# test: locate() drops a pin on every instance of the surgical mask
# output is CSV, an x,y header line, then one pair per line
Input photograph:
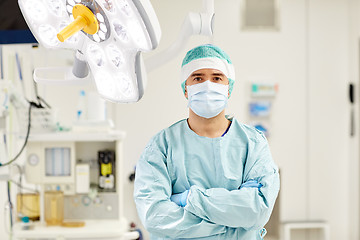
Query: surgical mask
x,y
208,99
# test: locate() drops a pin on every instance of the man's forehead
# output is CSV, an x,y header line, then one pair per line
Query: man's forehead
x,y
207,71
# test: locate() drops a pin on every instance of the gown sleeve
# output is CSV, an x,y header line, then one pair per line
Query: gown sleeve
x,y
152,192
248,208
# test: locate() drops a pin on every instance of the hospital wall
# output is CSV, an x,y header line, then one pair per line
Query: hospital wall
x,y
354,54
312,57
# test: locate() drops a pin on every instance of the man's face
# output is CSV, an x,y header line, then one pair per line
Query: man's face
x,y
205,74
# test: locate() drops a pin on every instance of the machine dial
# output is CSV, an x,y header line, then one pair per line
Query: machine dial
x,y
33,159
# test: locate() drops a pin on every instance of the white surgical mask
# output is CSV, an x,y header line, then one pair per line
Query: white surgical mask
x,y
208,99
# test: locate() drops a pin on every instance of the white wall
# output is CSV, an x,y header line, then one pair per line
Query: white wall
x,y
329,114
354,167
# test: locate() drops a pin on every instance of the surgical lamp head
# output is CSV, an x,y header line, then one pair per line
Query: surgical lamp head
x,y
108,36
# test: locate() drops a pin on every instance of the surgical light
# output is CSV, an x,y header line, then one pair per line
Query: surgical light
x,y
125,8
56,7
97,54
48,35
120,31
108,35
115,55
36,10
109,5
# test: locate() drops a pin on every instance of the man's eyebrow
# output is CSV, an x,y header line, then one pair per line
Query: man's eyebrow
x,y
197,74
201,74
218,74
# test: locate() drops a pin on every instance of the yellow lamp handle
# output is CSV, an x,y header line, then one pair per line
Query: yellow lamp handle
x,y
74,27
84,20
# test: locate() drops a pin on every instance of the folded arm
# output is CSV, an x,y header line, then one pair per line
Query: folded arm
x,y
247,207
157,212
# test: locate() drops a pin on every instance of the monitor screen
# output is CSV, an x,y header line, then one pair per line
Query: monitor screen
x,y
57,162
13,28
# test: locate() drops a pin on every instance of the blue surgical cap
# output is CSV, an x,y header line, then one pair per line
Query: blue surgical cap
x,y
207,56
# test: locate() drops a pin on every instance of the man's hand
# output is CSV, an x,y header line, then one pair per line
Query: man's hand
x,y
251,184
180,198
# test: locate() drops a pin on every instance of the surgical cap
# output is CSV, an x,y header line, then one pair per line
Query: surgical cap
x,y
207,56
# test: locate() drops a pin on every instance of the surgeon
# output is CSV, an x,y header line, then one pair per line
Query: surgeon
x,y
207,176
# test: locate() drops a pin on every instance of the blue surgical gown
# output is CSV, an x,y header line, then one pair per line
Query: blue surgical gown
x,y
213,169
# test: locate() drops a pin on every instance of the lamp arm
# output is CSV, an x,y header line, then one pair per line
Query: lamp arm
x,y
194,24
208,6
80,68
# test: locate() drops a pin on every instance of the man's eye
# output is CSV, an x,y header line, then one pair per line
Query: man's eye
x,y
217,78
197,79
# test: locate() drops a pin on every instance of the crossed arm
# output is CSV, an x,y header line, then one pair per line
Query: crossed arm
x,y
208,211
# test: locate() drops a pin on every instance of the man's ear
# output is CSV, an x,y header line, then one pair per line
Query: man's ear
x,y
186,94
